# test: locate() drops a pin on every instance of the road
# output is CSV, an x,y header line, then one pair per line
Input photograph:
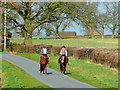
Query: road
x,y
53,78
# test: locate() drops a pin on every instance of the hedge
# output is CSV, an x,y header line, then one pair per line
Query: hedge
x,y
1,47
21,48
107,57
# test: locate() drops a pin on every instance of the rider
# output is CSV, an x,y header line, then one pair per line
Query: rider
x,y
44,51
63,52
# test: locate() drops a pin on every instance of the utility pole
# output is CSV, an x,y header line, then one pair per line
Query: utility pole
x,y
5,26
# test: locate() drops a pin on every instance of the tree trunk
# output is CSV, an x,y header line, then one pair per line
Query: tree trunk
x,y
38,34
112,33
28,32
113,30
103,33
57,33
102,36
28,39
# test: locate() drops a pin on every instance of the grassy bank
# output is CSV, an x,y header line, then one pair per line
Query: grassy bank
x,y
14,77
84,71
82,43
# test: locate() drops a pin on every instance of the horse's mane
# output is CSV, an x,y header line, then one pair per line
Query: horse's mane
x,y
44,56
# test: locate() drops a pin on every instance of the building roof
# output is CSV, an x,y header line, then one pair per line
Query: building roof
x,y
118,31
69,33
95,33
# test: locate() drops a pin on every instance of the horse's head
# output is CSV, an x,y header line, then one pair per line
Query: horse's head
x,y
44,56
44,59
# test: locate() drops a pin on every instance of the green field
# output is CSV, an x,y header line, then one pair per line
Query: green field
x,y
84,71
82,43
14,77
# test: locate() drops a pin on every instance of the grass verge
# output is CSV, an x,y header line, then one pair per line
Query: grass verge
x,y
14,77
84,71
0,67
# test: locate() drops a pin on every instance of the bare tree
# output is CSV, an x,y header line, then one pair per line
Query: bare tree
x,y
29,15
103,20
112,9
84,14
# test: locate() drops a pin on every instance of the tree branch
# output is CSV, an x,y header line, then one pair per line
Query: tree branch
x,y
45,9
14,27
17,9
10,18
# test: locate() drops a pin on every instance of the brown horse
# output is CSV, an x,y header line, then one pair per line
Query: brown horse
x,y
43,64
63,62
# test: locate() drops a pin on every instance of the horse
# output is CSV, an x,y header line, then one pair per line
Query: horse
x,y
63,62
43,64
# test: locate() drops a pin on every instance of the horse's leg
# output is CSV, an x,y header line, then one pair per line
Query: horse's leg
x,y
64,68
46,69
41,68
61,68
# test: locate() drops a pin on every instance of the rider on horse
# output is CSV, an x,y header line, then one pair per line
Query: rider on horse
x,y
44,51
63,52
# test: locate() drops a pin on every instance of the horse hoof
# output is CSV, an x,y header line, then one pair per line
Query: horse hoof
x,y
61,72
40,72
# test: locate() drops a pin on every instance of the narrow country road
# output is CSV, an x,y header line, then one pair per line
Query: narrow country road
x,y
53,79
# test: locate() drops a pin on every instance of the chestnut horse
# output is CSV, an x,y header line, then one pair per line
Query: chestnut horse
x,y
63,62
43,64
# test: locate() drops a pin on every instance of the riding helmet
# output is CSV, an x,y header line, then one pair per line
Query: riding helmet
x,y
63,46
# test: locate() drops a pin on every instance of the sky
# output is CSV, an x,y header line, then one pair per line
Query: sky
x,y
78,29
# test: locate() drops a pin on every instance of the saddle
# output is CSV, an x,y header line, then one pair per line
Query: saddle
x,y
63,59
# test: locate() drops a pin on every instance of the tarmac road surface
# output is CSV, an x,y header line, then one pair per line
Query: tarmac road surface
x,y
53,78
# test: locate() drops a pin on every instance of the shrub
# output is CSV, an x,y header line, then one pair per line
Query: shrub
x,y
55,50
83,53
71,51
21,48
1,47
107,57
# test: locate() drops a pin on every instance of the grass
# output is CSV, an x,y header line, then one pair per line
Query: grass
x,y
14,77
78,42
0,71
84,71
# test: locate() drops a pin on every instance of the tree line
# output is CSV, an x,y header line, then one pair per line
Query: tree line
x,y
54,17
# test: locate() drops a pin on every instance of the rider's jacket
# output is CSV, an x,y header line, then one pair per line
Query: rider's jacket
x,y
63,51
44,51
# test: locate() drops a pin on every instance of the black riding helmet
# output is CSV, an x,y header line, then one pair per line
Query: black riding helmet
x,y
63,46
44,47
